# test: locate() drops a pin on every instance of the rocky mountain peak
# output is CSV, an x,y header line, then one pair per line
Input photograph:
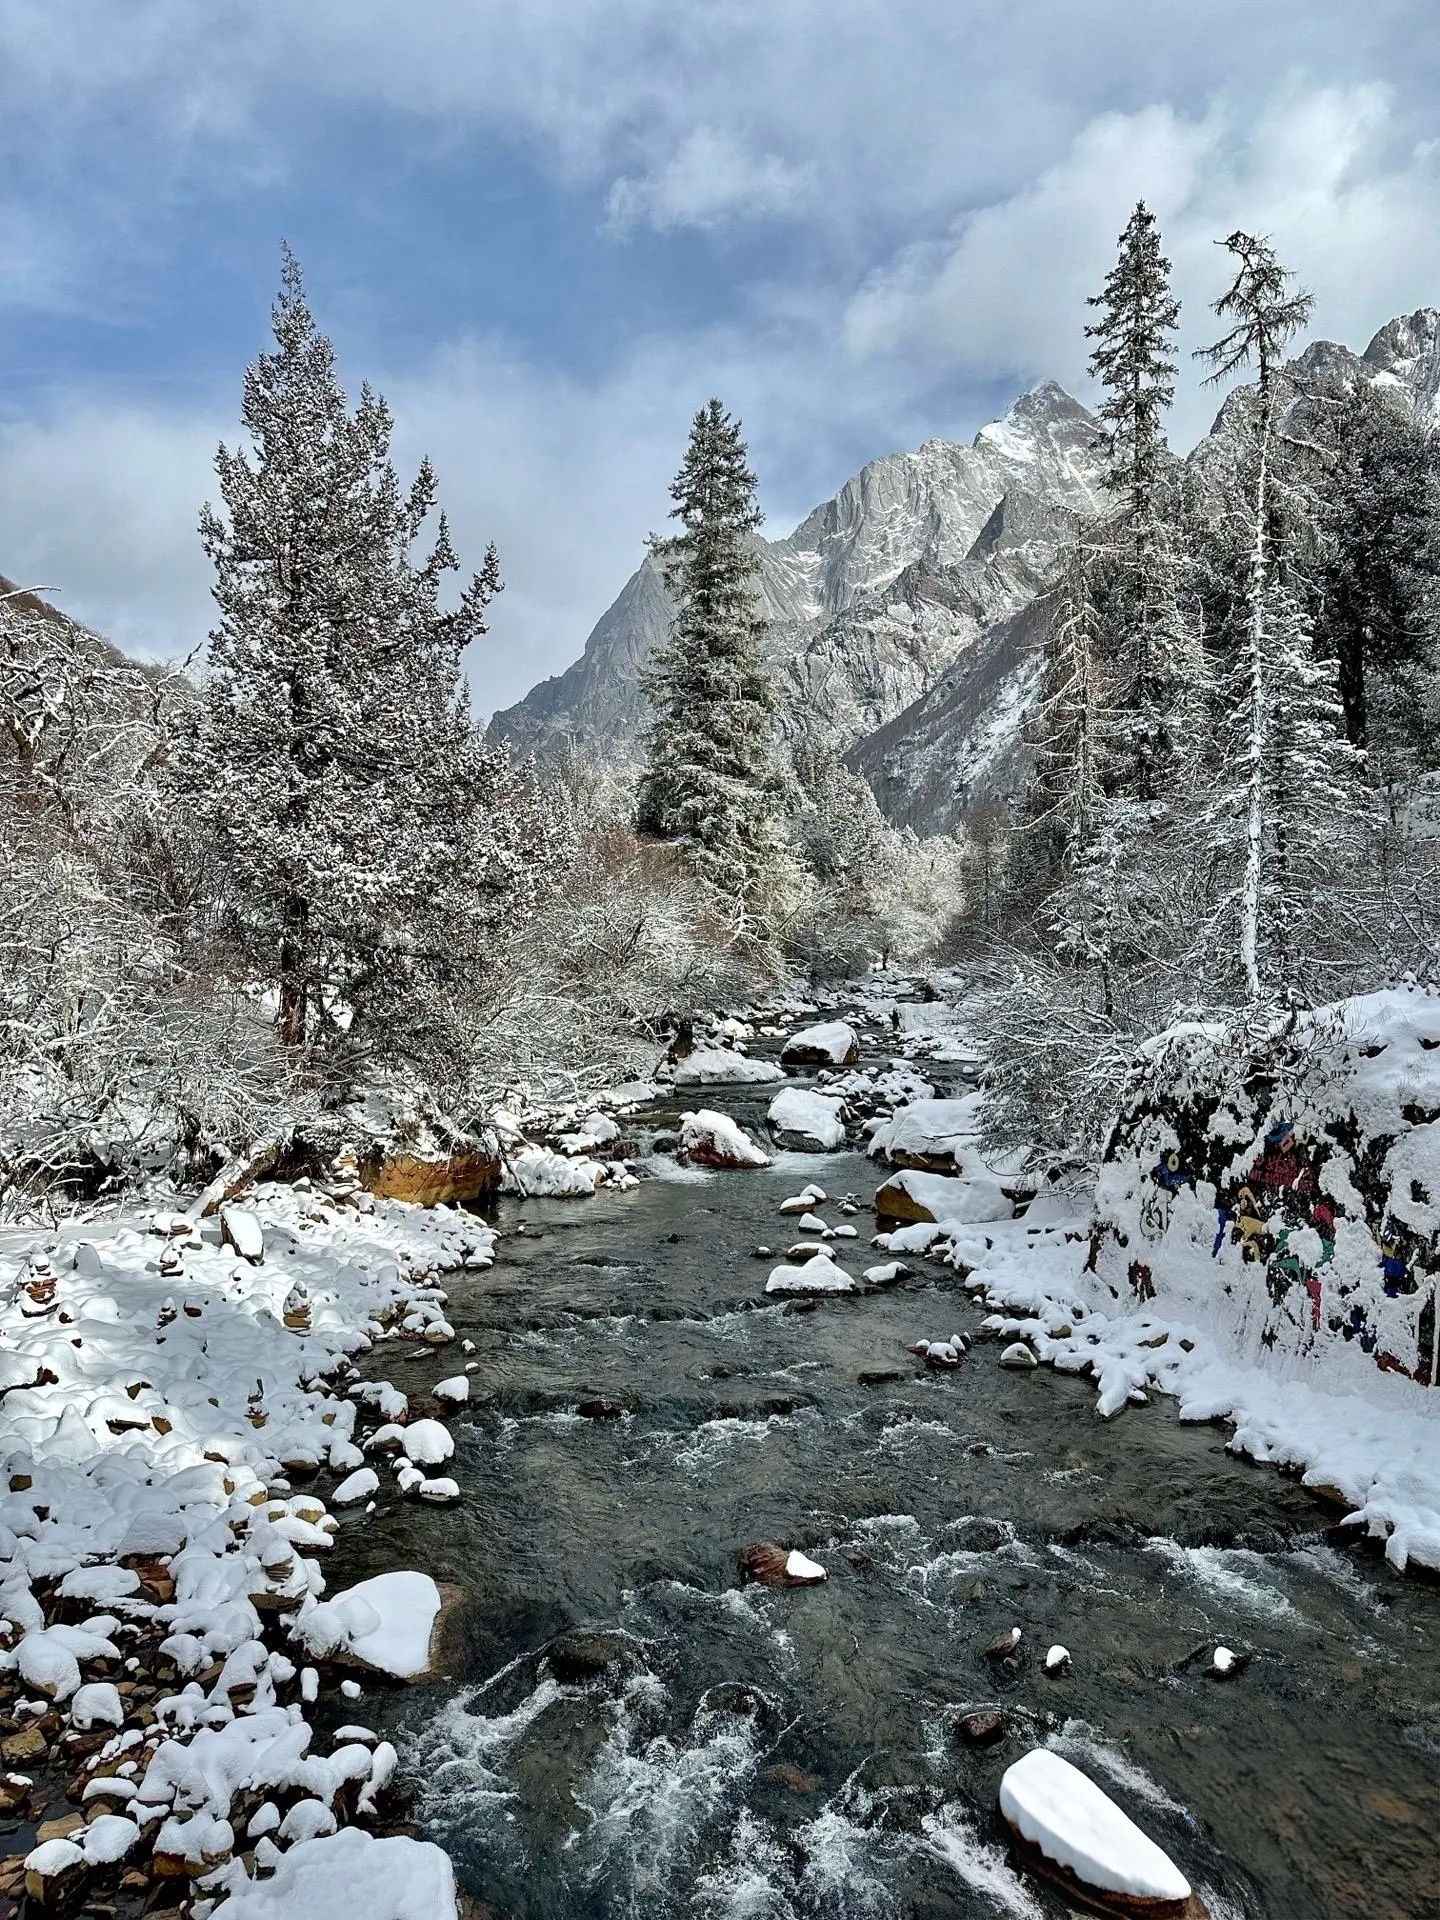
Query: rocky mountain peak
x,y
1406,351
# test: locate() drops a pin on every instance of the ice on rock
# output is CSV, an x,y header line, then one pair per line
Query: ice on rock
x,y
1062,1812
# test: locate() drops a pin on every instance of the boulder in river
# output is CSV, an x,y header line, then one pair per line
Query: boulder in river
x,y
804,1122
982,1728
711,1139
833,1043
776,1566
1072,1834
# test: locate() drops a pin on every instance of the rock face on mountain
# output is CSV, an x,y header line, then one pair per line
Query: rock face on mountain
x,y
905,625
872,597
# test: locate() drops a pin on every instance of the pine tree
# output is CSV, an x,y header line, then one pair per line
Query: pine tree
x,y
1379,580
1266,314
710,782
1299,804
1153,653
359,824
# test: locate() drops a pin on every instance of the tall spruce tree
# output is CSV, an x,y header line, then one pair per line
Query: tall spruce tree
x,y
361,829
1153,658
710,782
1297,786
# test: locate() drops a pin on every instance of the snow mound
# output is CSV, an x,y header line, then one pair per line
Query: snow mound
x,y
834,1043
1062,1812
820,1275
352,1876
536,1173
712,1139
721,1067
926,1130
386,1622
942,1198
811,1118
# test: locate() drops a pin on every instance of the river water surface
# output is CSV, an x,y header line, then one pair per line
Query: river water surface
x,y
627,1731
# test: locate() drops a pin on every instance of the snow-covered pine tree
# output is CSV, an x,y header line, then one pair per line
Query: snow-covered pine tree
x,y
1279,823
1379,578
1154,658
359,824
710,782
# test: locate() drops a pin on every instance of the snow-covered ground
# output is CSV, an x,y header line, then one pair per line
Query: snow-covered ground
x,y
165,1386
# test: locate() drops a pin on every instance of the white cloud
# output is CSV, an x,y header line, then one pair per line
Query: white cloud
x,y
1349,205
98,505
710,180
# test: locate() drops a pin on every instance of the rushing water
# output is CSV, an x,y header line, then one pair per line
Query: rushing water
x,y
629,1732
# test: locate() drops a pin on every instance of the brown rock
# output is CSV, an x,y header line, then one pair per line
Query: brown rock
x,y
28,1744
60,1829
461,1176
982,1728
765,1562
786,1775
598,1409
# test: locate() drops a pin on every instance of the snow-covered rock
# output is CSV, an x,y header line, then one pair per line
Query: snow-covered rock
x,y
942,1135
386,1623
820,1275
833,1043
809,1122
711,1139
244,1233
536,1173
1080,1831
940,1198
351,1875
722,1067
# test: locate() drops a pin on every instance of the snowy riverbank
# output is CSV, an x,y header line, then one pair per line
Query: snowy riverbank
x,y
169,1391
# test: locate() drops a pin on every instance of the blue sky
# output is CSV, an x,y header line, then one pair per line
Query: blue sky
x,y
549,232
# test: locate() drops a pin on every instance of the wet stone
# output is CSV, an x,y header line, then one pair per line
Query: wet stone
x,y
982,1728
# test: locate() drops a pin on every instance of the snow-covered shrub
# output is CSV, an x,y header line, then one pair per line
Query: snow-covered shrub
x,y
1286,1179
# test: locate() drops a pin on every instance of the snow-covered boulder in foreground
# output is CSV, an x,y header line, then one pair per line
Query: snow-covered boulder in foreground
x,y
941,1198
712,1139
721,1067
941,1135
386,1623
1083,1839
834,1043
353,1876
806,1122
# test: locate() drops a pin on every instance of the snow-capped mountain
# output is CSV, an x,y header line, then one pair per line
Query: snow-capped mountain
x,y
874,594
904,624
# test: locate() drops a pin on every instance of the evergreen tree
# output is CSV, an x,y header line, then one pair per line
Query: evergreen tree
x,y
1265,313
1297,805
710,781
364,835
1154,657
1379,578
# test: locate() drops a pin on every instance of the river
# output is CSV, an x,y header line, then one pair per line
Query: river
x,y
627,1731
